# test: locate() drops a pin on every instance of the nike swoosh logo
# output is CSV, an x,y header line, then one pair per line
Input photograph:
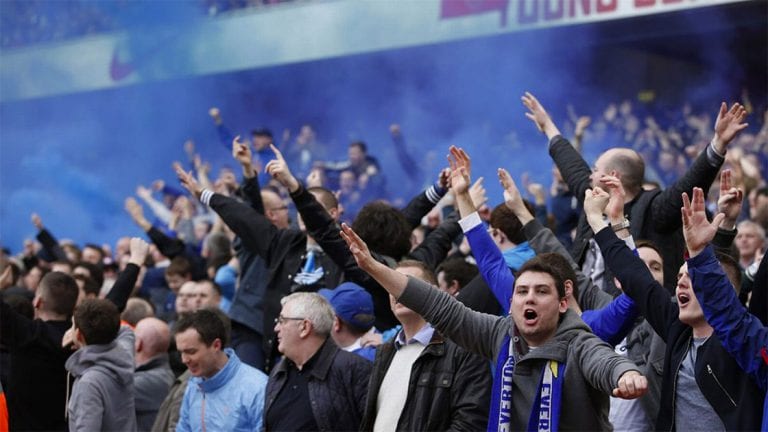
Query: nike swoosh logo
x,y
119,70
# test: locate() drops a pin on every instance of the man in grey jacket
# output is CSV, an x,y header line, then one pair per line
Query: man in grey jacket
x,y
530,348
153,377
102,395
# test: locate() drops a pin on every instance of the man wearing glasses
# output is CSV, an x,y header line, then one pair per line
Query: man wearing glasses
x,y
316,386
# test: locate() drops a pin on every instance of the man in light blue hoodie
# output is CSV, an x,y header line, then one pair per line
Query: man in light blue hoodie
x,y
223,393
102,394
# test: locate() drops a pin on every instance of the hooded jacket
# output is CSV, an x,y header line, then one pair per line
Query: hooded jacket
x,y
231,400
592,367
101,396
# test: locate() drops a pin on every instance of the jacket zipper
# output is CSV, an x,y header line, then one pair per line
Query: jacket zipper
x,y
674,385
202,414
709,369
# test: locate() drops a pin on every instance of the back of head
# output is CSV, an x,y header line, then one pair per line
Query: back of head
x,y
208,323
136,309
504,220
313,307
731,268
154,334
352,304
457,269
59,293
384,228
98,321
218,248
630,165
325,197
546,263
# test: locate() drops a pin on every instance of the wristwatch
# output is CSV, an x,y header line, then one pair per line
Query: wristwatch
x,y
621,225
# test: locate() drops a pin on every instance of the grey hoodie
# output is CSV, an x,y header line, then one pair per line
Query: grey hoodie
x,y
592,367
102,395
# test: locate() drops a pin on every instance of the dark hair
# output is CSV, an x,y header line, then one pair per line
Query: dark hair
x,y
179,266
59,292
97,248
457,269
632,169
325,197
427,274
209,325
98,320
384,228
219,250
262,131
363,147
731,268
15,272
89,285
545,263
20,304
643,243
96,273
763,191
563,266
504,220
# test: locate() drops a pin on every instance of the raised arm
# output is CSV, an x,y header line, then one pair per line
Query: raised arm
x,y
407,163
426,200
665,207
741,333
255,230
49,242
126,281
467,328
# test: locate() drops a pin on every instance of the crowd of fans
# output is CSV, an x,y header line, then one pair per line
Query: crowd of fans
x,y
292,295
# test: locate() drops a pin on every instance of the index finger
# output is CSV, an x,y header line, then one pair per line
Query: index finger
x,y
277,152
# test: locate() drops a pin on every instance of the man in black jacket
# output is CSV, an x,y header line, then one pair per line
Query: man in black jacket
x,y
423,381
703,388
316,386
654,215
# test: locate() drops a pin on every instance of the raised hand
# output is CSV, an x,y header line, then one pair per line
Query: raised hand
x,y
581,125
631,385
358,248
512,197
478,194
730,200
136,212
36,221
144,193
444,178
697,230
394,129
139,251
728,124
539,116
595,202
461,170
315,178
278,169
241,151
615,207
215,114
188,181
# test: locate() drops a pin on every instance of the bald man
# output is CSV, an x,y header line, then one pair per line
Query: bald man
x,y
153,377
650,215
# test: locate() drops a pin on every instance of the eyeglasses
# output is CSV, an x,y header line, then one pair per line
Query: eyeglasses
x,y
282,319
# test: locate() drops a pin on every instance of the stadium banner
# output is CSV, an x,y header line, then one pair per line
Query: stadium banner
x,y
288,33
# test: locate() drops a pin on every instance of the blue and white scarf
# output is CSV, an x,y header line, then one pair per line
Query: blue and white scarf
x,y
545,412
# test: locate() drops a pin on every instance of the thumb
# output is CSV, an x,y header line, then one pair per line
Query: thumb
x,y
718,219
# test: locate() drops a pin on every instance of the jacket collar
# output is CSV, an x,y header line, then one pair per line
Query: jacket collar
x,y
222,377
154,362
321,365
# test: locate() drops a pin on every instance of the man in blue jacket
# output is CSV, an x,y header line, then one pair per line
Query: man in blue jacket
x,y
223,393
742,335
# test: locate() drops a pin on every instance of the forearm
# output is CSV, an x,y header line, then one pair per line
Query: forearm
x,y
490,260
613,322
465,204
124,285
159,209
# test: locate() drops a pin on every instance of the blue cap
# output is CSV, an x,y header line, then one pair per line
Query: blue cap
x,y
352,304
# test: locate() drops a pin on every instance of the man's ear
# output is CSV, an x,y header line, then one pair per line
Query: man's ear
x,y
563,306
568,289
336,324
37,302
453,288
306,329
217,344
334,212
